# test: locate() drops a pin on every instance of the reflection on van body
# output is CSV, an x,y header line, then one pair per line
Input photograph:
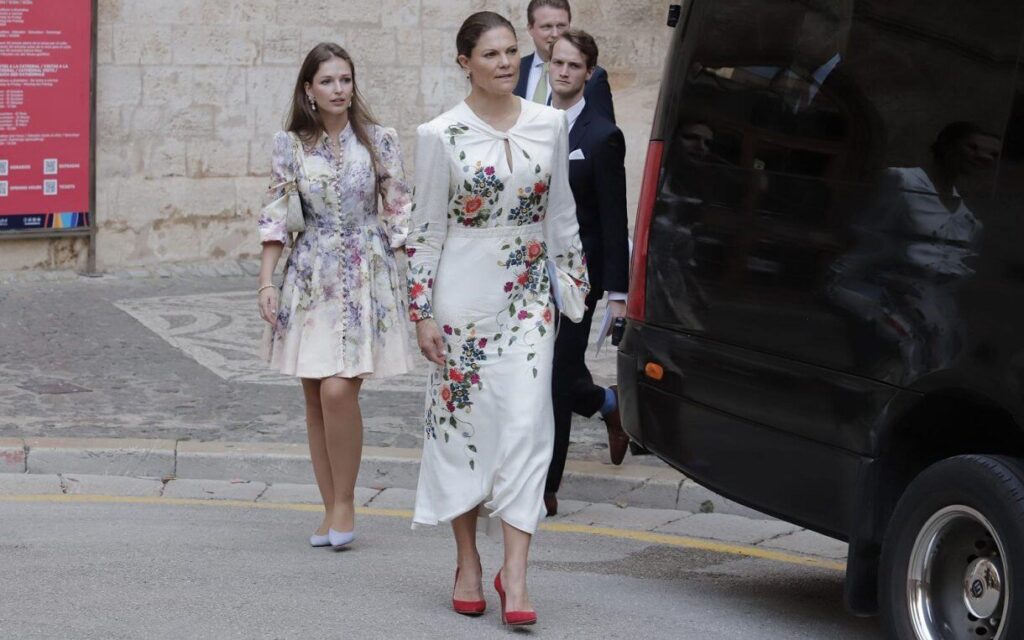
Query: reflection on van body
x,y
832,277
821,223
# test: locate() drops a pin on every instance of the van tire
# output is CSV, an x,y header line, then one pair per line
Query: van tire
x,y
961,523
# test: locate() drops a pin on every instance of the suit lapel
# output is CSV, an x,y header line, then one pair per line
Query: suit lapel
x,y
524,75
579,129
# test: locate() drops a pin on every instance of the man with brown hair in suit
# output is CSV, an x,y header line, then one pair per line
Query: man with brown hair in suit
x,y
597,176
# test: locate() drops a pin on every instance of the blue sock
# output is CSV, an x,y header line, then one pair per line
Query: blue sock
x,y
610,404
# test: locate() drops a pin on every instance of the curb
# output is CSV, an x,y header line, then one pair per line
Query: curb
x,y
199,269
382,468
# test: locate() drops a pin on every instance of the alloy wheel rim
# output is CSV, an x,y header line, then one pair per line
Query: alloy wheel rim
x,y
957,585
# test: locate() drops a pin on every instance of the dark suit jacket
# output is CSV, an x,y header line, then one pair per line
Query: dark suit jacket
x,y
597,92
598,184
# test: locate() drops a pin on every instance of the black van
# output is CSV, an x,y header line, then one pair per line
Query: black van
x,y
826,314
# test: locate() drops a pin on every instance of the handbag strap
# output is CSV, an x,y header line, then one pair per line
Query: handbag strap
x,y
300,155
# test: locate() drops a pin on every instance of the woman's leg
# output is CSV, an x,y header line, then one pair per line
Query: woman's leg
x,y
513,572
343,430
318,449
467,557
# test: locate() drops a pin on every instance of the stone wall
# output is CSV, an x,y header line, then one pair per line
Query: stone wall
x,y
190,93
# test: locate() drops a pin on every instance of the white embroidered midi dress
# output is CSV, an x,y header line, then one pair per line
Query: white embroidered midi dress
x,y
485,235
342,310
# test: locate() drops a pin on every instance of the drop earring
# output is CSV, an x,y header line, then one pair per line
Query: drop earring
x,y
312,102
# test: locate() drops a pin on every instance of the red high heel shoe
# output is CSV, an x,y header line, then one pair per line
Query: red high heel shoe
x,y
467,607
512,618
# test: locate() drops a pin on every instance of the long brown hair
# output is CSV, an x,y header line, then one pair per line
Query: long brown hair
x,y
307,123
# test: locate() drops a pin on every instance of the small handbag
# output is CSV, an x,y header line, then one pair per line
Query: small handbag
x,y
570,297
289,204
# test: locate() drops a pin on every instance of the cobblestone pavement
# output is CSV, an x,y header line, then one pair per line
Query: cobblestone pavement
x,y
178,357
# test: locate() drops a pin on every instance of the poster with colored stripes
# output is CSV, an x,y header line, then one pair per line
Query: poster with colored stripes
x,y
45,114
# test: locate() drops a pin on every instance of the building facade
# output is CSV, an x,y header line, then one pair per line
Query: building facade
x,y
190,93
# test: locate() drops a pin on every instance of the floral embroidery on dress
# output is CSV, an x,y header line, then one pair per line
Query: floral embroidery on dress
x,y
458,377
530,208
454,131
532,202
420,282
525,290
473,206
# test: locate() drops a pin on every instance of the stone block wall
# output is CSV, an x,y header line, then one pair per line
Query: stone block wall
x,y
190,93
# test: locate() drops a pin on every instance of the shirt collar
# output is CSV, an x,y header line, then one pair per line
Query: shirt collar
x,y
537,62
572,114
345,134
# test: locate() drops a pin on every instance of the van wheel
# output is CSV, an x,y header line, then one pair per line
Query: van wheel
x,y
952,553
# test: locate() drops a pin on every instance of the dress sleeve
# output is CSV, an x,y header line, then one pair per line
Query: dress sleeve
x,y
271,222
395,195
429,220
562,233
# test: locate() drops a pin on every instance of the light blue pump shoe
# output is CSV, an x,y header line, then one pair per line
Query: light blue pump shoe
x,y
339,539
319,541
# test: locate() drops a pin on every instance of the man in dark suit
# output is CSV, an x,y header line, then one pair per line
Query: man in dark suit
x,y
546,21
597,175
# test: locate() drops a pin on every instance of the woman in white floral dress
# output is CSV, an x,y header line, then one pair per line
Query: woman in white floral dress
x,y
341,316
493,214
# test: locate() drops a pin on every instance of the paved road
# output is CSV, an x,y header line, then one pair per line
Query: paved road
x,y
92,567
178,358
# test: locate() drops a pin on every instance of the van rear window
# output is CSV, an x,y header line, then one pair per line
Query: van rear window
x,y
783,122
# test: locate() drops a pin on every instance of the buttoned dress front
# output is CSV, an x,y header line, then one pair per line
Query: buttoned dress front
x,y
342,310
489,231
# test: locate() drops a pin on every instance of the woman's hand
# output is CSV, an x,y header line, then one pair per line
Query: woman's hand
x,y
268,305
430,340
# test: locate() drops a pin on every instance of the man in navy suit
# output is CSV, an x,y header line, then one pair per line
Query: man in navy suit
x,y
546,21
597,176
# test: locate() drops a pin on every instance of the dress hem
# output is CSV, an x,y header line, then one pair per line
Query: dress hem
x,y
362,374
487,520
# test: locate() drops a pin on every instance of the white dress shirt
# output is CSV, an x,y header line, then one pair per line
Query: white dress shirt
x,y
572,114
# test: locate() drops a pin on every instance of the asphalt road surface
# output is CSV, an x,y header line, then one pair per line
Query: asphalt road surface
x,y
108,568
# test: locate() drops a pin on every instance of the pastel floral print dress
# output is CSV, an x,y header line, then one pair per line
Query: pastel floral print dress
x,y
493,213
343,309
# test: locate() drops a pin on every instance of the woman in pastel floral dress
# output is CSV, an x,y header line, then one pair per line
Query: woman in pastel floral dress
x,y
341,316
493,213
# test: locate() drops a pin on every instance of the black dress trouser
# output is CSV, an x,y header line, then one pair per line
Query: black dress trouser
x,y
572,387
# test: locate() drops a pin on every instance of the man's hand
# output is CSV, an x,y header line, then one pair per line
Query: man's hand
x,y
617,308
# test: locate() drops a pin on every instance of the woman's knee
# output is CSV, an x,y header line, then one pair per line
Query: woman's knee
x,y
338,392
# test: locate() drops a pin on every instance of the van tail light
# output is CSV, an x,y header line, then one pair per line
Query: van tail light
x,y
637,302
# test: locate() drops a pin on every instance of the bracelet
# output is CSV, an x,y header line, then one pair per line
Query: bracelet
x,y
266,286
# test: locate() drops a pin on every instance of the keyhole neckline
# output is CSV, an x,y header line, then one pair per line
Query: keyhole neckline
x,y
499,132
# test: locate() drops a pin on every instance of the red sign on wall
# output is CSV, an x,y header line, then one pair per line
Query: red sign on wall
x,y
45,113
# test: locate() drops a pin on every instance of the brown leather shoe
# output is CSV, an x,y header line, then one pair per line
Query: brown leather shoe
x,y
618,439
551,504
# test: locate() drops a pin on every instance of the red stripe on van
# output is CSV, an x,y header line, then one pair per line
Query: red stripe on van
x,y
637,302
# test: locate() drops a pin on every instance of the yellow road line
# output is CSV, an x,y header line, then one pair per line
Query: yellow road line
x,y
555,527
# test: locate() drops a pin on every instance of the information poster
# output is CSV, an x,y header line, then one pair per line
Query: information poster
x,y
45,114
